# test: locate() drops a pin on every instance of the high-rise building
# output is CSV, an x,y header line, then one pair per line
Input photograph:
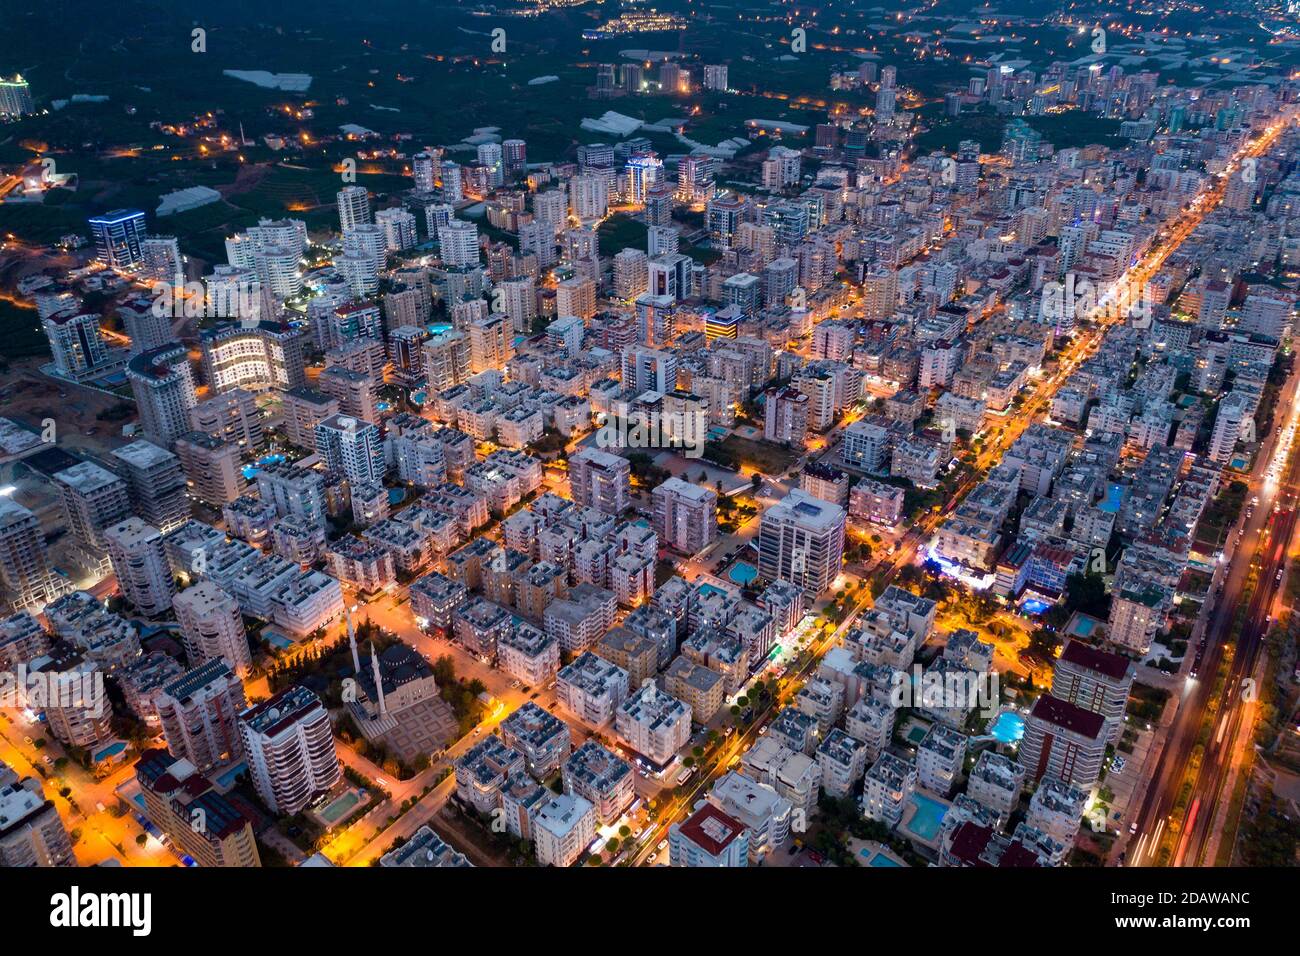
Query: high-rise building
x,y
649,370
1095,680
272,250
212,626
458,244
446,360
163,386
200,714
685,515
354,208
198,819
118,236
785,416
449,180
398,227
24,564
289,748
695,176
15,98
351,446
708,837
156,483
140,563
294,491
491,342
423,171
211,468
232,417
562,829
715,77
1233,412
801,540
1063,740
162,259
93,499
31,831
77,344
490,157
600,480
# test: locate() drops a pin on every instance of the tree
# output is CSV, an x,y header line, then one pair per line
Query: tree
x,y
1087,593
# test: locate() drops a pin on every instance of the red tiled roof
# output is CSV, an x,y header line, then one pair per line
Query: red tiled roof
x,y
694,829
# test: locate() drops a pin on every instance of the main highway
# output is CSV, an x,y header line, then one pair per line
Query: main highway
x,y
1184,824
1263,536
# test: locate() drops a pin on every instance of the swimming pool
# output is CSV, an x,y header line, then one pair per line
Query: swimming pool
x,y
279,640
250,471
228,778
396,496
742,573
1008,727
1034,606
1084,627
927,817
336,809
112,750
877,858
707,588
1113,500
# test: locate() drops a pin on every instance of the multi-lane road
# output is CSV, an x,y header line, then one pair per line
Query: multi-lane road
x,y
1193,748
1264,536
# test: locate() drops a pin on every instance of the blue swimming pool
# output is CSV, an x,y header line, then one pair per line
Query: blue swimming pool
x,y
742,573
396,496
1008,727
1034,606
1113,500
437,328
228,778
707,588
928,818
877,858
112,750
250,471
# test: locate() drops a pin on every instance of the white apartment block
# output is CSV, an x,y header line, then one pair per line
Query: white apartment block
x,y
289,747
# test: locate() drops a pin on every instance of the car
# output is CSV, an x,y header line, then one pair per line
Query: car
x,y
654,856
1133,827
27,739
662,844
